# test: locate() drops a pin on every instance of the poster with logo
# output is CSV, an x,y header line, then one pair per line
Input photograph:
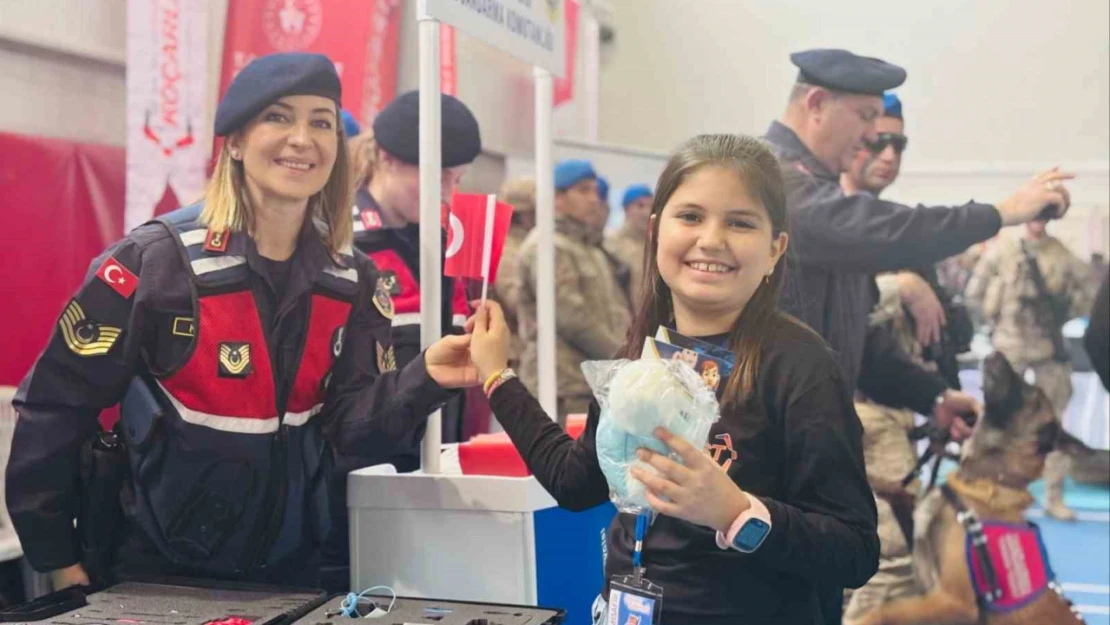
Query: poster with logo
x,y
359,36
167,69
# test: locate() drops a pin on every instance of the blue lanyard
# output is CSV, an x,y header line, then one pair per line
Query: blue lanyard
x,y
643,520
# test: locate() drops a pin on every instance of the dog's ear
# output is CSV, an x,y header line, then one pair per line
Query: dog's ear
x,y
1002,389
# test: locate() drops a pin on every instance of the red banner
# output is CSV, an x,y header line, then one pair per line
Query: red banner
x,y
564,87
448,76
63,205
359,36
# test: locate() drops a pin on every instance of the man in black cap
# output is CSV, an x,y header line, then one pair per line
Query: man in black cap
x,y
839,242
387,229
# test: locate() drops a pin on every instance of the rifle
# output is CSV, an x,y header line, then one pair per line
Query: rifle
x,y
1057,306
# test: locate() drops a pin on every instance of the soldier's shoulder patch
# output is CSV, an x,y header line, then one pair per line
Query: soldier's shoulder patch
x,y
83,335
383,301
387,359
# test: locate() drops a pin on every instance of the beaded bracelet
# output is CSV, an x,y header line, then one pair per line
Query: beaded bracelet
x,y
491,379
504,376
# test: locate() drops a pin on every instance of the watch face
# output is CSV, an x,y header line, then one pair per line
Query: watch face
x,y
751,535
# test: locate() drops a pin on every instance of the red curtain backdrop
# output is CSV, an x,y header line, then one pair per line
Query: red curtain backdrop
x,y
63,202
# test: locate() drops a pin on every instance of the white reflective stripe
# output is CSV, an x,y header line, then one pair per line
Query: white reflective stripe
x,y
297,419
194,237
413,319
238,425
343,274
406,319
208,265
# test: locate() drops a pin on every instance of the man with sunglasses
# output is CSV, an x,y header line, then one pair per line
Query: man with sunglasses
x,y
840,242
923,321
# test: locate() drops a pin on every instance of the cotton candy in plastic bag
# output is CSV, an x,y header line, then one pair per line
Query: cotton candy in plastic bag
x,y
637,396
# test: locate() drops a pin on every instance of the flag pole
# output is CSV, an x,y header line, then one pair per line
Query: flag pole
x,y
487,243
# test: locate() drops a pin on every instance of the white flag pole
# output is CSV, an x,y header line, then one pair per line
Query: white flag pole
x,y
545,252
431,246
487,243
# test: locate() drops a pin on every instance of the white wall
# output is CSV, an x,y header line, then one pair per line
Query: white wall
x,y
996,89
63,68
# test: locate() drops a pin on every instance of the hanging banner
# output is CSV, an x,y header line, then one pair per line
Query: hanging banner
x,y
530,30
167,56
380,72
564,86
340,29
448,75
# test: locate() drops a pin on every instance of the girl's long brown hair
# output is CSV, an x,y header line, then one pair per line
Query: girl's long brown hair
x,y
756,166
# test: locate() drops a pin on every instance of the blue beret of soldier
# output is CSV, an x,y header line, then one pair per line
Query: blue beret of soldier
x,y
267,79
350,124
841,70
635,192
603,188
892,106
570,172
397,130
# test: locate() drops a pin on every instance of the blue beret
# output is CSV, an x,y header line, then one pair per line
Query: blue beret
x,y
892,106
603,189
267,79
350,124
635,192
570,172
843,71
397,130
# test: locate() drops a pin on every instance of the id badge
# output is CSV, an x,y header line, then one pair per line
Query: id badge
x,y
634,601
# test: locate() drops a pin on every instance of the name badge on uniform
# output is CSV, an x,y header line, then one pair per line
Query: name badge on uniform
x,y
634,601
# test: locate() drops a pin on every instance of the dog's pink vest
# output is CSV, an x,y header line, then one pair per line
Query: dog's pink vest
x,y
1020,562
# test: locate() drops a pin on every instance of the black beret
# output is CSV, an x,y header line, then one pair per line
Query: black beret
x,y
843,71
268,78
397,130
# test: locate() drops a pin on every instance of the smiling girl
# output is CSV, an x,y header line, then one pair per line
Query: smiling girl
x,y
793,515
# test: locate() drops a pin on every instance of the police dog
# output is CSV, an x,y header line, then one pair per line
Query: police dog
x,y
1004,455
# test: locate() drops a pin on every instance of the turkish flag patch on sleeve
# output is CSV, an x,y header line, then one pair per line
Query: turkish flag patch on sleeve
x,y
120,278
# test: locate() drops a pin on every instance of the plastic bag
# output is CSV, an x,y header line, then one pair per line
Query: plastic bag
x,y
637,396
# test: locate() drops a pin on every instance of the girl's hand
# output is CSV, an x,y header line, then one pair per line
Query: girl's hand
x,y
699,491
489,343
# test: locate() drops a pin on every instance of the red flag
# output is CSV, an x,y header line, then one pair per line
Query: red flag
x,y
466,234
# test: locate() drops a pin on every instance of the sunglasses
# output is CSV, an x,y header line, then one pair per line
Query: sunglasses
x,y
885,139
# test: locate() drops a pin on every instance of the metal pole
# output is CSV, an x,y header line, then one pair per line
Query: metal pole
x,y
431,250
545,252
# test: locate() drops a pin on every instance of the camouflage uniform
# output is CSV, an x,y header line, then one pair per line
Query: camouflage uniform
x,y
889,456
1004,291
628,247
592,312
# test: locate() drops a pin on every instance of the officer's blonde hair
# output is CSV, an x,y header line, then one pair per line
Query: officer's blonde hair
x,y
364,158
227,204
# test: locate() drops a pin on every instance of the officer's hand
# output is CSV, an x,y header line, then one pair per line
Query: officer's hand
x,y
950,411
489,347
924,306
1031,198
448,362
70,576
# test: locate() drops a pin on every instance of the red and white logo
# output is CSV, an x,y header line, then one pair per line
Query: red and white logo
x,y
371,220
115,275
292,24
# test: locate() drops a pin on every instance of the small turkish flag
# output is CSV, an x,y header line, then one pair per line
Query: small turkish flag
x,y
477,227
115,275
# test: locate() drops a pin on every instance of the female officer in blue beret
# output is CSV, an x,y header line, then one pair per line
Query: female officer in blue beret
x,y
386,173
239,334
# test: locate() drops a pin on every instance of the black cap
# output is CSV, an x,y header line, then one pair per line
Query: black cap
x,y
397,130
268,78
843,71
